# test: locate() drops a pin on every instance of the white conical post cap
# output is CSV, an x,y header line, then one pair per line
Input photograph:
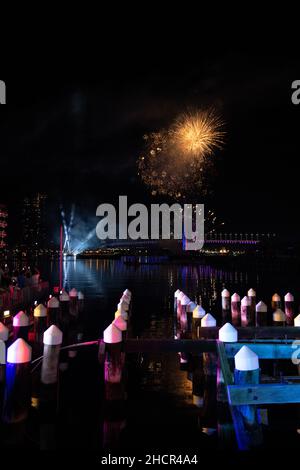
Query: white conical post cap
x,y
225,293
112,334
208,320
2,352
21,319
40,311
245,302
120,323
185,300
80,295
198,312
123,306
289,297
251,293
53,336
297,320
180,295
279,315
127,292
4,332
261,307
228,334
191,307
245,359
19,352
235,298
53,303
176,293
64,297
73,293
276,298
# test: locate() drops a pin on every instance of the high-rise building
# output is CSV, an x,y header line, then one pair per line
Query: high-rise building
x,y
34,221
3,226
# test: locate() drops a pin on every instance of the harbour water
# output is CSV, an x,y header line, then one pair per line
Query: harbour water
x,y
160,408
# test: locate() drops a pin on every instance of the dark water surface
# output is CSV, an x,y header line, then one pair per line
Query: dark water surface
x,y
159,410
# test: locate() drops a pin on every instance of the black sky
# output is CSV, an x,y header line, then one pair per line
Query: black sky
x,y
78,138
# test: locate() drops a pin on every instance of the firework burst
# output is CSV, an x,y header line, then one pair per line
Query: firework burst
x,y
177,162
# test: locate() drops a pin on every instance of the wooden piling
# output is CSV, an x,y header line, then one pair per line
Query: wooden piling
x,y
20,326
246,318
261,318
52,340
289,308
226,314
279,318
40,323
73,302
236,309
53,311
246,422
252,297
276,302
113,364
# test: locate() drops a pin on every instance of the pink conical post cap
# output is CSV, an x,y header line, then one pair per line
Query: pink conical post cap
x,y
246,359
261,307
289,297
228,334
112,334
251,293
245,302
53,336
120,323
21,319
198,312
4,332
2,352
40,311
64,297
180,295
208,320
127,292
191,307
235,298
73,293
225,293
19,352
297,320
53,303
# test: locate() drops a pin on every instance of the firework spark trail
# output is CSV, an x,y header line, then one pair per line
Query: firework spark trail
x,y
81,247
70,226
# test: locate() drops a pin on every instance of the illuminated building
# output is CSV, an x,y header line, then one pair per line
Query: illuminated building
x,y
34,222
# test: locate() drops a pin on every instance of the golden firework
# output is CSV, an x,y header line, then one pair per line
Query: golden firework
x,y
197,134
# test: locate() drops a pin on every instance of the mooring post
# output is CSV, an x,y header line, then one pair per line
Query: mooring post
x,y
198,314
261,310
52,340
64,302
80,302
297,320
289,308
279,318
252,297
227,334
53,311
73,302
225,305
40,323
246,422
121,312
276,302
209,418
17,386
236,309
246,312
176,294
189,313
21,326
114,361
4,332
121,324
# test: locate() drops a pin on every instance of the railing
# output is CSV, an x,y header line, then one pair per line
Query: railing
x,y
15,296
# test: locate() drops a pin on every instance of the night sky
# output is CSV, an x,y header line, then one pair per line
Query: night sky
x,y
78,139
